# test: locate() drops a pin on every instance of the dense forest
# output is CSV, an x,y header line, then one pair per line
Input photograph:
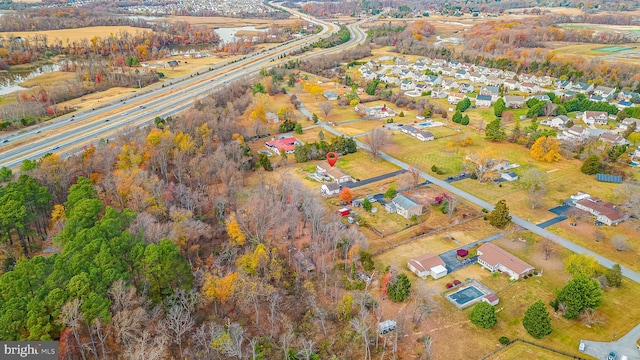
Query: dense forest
x,y
167,242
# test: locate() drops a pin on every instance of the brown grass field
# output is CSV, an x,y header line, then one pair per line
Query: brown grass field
x,y
226,22
71,35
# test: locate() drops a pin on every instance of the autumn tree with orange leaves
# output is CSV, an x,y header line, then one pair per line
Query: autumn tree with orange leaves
x,y
346,195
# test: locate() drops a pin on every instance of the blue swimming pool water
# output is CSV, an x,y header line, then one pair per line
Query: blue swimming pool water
x,y
465,295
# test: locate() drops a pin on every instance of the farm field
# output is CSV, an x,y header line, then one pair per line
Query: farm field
x,y
227,22
71,35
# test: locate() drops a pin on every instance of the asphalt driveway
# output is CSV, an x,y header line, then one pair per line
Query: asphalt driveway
x,y
625,345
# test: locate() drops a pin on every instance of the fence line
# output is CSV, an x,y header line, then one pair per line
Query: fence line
x,y
533,344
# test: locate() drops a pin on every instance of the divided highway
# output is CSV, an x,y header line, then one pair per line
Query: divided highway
x,y
69,133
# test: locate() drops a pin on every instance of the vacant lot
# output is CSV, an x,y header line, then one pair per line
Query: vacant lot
x,y
360,165
521,350
67,36
226,22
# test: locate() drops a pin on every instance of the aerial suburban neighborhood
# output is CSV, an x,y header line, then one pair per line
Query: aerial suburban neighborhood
x,y
201,179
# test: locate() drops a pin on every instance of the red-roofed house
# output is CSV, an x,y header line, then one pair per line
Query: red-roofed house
x,y
494,258
604,211
428,264
287,144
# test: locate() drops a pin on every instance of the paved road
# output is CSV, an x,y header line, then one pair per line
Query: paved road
x,y
632,275
625,345
356,184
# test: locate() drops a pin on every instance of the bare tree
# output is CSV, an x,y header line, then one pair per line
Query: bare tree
x,y
326,107
307,349
591,317
72,317
148,346
621,243
424,303
452,202
360,325
535,182
179,317
275,302
547,248
427,342
377,140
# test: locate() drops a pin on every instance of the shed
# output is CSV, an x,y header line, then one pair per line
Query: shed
x,y
427,264
344,212
609,178
491,299
386,326
509,176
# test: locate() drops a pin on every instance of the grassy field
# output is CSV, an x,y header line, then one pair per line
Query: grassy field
x,y
71,35
360,165
48,79
521,350
226,22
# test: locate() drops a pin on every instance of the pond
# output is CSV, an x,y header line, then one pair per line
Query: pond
x,y
10,80
229,34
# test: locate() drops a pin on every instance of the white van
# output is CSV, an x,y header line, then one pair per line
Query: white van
x,y
623,357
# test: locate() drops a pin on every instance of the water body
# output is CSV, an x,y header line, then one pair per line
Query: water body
x,y
10,81
229,34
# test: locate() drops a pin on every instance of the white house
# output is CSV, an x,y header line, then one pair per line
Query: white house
x,y
334,173
330,189
493,258
604,91
511,84
595,117
477,78
613,139
455,98
493,81
466,88
604,211
483,101
557,122
427,265
529,87
574,133
462,75
514,102
439,93
509,176
424,135
449,84
628,122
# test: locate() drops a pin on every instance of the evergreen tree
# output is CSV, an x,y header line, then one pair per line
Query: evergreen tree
x,y
457,117
591,165
401,114
614,276
499,107
264,162
484,315
391,192
463,105
314,118
321,135
465,120
580,293
500,217
494,131
399,289
366,204
537,321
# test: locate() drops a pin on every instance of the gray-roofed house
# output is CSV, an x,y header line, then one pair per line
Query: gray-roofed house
x,y
483,101
406,206
509,176
629,122
604,91
330,95
494,91
514,102
613,139
466,88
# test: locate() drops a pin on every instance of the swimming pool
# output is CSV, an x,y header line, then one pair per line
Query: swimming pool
x,y
634,163
429,124
466,295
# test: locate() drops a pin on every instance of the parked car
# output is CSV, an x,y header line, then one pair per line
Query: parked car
x,y
364,277
612,355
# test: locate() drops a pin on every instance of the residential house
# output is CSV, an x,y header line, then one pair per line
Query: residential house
x,y
582,87
527,78
287,144
483,101
462,75
625,95
330,95
613,139
630,122
450,85
407,85
623,104
557,122
540,97
477,78
303,264
509,176
595,117
496,73
562,84
401,61
604,211
597,98
419,66
334,173
439,93
431,80
435,68
575,133
330,189
405,206
605,92
447,71
529,87
424,135
493,91
369,75
466,88
511,84
455,98
543,81
493,81
455,65
409,130
466,66
440,62
413,93
510,75
494,258
427,265
364,111
392,80
372,65
514,102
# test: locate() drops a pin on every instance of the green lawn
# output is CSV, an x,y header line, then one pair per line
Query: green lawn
x,y
360,165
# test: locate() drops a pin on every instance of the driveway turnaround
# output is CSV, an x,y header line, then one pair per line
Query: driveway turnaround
x,y
625,345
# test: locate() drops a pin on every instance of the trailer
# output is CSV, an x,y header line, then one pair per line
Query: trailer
x,y
386,326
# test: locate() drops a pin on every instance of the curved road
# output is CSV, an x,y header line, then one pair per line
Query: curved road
x,y
161,100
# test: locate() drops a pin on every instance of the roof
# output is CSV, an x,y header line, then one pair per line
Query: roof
x,y
484,97
334,172
577,129
611,137
609,178
588,114
288,143
604,208
492,89
405,202
491,297
426,262
332,186
511,174
425,134
458,95
511,98
494,255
